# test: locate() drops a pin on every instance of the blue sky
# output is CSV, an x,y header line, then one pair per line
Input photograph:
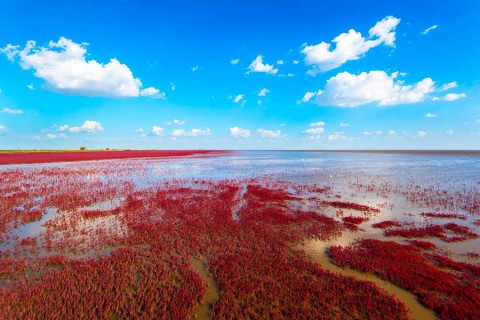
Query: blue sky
x,y
240,74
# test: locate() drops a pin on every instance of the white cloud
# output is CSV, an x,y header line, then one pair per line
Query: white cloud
x,y
296,62
430,115
64,68
234,61
153,93
11,111
454,96
172,86
377,133
199,132
350,90
191,133
178,133
344,124
421,134
317,130
280,62
30,86
56,136
317,124
426,31
448,86
392,133
349,46
337,136
140,130
239,132
88,126
65,127
3,130
309,95
257,65
176,122
449,132
269,133
195,68
263,92
238,98
156,131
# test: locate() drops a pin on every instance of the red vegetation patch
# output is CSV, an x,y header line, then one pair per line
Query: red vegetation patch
x,y
443,215
354,220
68,156
351,206
267,194
418,232
128,284
386,224
449,291
275,285
450,232
423,244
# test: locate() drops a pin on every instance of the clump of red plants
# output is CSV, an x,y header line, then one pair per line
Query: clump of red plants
x,y
448,287
387,224
443,215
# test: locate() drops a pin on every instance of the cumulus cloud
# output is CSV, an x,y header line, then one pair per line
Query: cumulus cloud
x,y
56,136
234,61
349,46
257,65
190,133
269,133
421,134
88,126
11,111
239,132
176,122
337,136
430,115
317,130
65,69
454,96
153,93
156,131
350,90
426,31
308,96
344,124
392,133
448,86
3,130
30,86
369,133
263,92
238,98
317,124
